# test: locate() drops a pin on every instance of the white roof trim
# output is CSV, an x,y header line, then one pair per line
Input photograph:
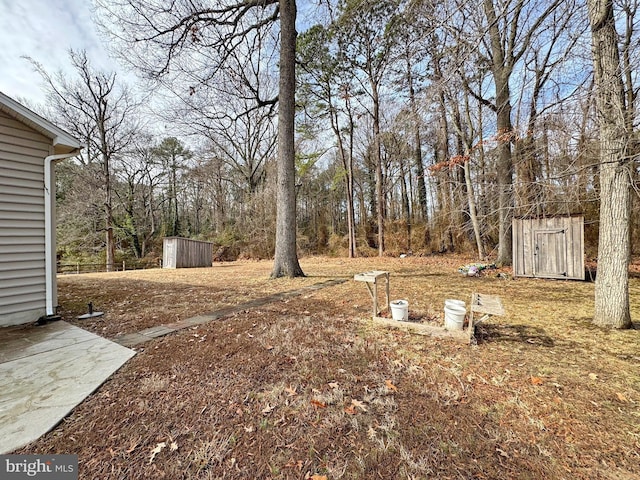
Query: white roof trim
x,y
48,129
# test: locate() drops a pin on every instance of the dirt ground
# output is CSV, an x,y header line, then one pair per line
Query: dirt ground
x,y
305,387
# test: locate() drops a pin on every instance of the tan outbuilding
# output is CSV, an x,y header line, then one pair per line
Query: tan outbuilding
x,y
549,247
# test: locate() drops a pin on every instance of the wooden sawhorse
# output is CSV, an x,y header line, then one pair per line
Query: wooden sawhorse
x,y
372,279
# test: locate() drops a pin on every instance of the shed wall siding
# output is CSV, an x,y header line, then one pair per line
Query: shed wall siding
x,y
186,253
22,249
567,255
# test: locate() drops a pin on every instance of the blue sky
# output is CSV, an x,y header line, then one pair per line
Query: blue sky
x,y
44,30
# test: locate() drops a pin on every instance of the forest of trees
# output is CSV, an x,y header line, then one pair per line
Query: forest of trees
x,y
420,126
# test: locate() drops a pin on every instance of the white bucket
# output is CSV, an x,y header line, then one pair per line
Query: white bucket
x,y
452,302
400,310
454,317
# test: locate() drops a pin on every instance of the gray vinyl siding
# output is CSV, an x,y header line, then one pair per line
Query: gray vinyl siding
x,y
22,238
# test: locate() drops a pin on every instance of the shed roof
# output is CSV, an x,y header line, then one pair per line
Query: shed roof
x,y
63,142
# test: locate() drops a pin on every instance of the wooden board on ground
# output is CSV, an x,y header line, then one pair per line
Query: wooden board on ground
x,y
487,305
422,329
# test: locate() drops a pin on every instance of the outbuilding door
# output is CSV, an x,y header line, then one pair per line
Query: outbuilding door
x,y
169,253
550,253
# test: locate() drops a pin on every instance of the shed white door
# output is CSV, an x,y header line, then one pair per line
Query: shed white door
x,y
169,253
550,253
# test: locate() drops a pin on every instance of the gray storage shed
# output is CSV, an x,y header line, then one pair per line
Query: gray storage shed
x,y
178,252
550,247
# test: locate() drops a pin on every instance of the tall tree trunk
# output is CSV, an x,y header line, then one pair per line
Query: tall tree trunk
x,y
132,227
630,8
584,159
502,65
465,146
353,250
444,155
406,205
110,243
286,257
380,203
108,218
463,149
612,281
481,208
417,147
173,200
347,163
351,226
504,173
473,211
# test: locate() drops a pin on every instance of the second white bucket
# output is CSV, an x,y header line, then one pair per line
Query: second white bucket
x,y
454,317
400,310
452,302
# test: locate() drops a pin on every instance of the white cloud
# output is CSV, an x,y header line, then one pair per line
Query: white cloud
x,y
44,30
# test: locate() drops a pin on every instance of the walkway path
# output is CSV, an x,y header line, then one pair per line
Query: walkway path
x,y
45,371
133,339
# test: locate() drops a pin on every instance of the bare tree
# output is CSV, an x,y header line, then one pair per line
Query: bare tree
x,y
468,138
174,158
366,42
97,108
194,41
286,258
246,146
629,53
139,174
327,88
612,282
550,49
414,29
505,38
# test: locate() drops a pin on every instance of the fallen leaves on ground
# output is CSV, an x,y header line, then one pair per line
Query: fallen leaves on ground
x,y
390,385
236,408
156,451
291,391
318,403
358,404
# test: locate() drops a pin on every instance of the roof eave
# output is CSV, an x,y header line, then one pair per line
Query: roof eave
x,y
62,140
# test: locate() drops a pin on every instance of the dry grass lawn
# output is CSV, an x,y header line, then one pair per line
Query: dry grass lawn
x,y
306,388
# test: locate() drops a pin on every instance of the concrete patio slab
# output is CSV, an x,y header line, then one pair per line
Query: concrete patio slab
x,y
45,371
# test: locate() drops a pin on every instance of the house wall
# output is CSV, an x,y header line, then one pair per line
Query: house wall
x,y
22,239
186,253
568,256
